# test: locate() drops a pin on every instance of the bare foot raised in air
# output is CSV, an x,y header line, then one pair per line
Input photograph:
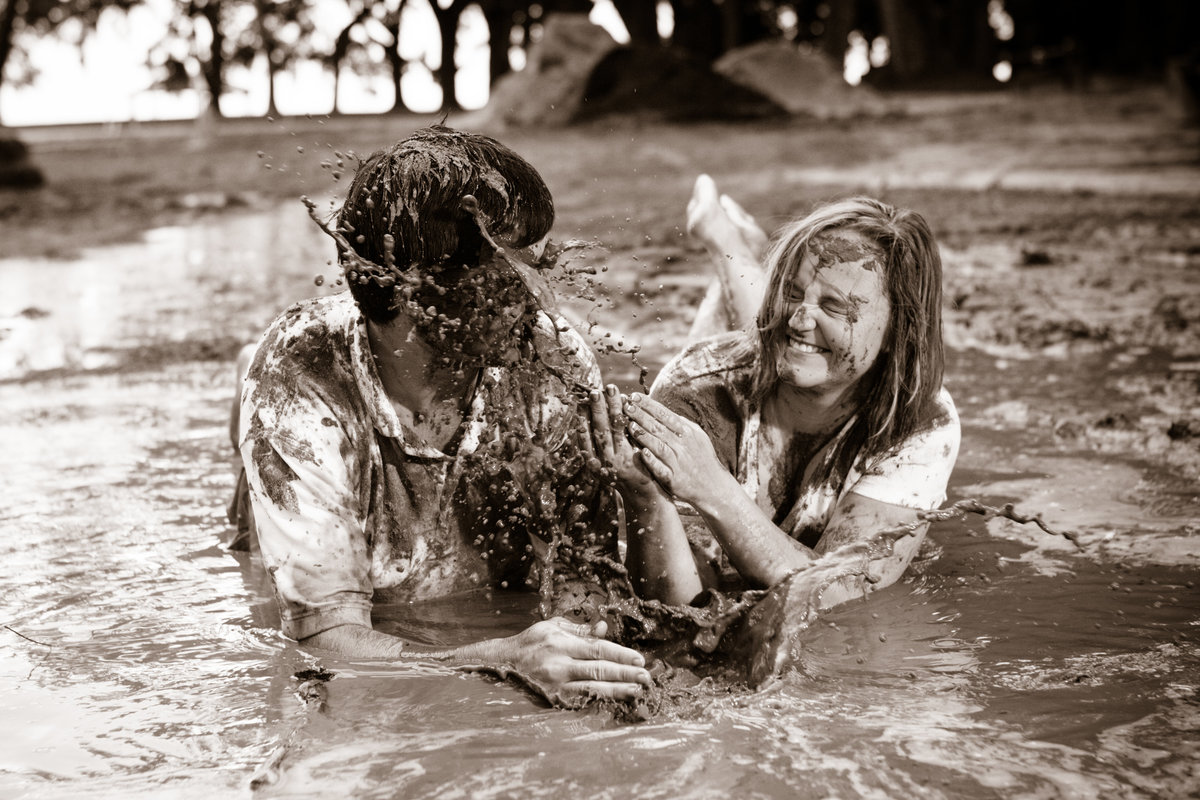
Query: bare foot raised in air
x,y
719,223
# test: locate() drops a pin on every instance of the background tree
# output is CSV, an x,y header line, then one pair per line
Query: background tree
x,y
448,13
194,46
281,32
390,15
344,44
29,19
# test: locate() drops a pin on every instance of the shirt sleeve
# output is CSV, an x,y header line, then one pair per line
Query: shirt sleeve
x,y
311,529
915,473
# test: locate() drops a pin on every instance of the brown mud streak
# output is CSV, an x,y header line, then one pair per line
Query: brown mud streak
x,y
830,249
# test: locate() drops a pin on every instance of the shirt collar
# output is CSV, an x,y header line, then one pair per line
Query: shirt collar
x,y
383,413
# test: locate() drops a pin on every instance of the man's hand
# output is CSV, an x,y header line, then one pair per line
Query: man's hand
x,y
675,450
564,662
567,663
613,446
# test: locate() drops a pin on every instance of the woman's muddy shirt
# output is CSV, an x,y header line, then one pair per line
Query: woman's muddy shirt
x,y
710,383
351,506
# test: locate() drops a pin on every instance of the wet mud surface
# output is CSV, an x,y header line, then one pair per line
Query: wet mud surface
x,y
139,659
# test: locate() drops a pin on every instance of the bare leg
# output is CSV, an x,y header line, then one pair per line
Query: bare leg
x,y
736,244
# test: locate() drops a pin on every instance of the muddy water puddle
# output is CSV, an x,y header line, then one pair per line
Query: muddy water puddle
x,y
139,660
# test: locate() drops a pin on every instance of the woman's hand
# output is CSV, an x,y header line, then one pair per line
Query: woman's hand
x,y
566,662
613,446
675,450
720,224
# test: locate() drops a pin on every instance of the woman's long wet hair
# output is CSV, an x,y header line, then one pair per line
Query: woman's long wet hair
x,y
897,396
404,210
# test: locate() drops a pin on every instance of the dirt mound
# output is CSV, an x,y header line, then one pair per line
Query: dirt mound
x,y
16,170
577,72
799,79
652,81
550,88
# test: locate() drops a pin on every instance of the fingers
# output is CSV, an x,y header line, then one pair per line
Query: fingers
x,y
579,629
601,427
658,469
603,650
608,672
603,691
608,422
616,409
656,419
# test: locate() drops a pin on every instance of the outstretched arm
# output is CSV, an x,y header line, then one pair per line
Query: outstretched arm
x,y
561,660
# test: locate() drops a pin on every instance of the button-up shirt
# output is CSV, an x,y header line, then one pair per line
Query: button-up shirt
x,y
351,506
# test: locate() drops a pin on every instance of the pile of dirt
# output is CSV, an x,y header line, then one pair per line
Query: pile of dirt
x,y
800,79
663,84
16,170
576,72
549,90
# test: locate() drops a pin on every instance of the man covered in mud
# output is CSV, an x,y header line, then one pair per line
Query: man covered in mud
x,y
420,436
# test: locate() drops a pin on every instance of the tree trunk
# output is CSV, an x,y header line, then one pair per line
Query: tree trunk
x,y
447,73
906,36
395,61
641,20
698,28
214,68
272,71
341,46
499,18
835,37
337,79
8,22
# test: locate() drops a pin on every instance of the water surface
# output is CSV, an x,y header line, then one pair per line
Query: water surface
x,y
140,660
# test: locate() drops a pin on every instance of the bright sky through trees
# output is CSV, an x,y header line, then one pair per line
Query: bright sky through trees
x,y
109,83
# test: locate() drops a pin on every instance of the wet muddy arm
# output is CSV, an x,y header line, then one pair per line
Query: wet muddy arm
x,y
562,661
758,549
659,557
359,641
868,560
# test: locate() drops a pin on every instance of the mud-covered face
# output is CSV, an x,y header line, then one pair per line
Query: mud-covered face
x,y
473,314
837,312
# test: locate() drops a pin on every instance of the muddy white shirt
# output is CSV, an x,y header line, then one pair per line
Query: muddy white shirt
x,y
350,506
710,382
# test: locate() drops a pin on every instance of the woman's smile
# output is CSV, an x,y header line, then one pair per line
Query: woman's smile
x,y
806,347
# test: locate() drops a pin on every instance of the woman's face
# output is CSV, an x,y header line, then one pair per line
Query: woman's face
x,y
837,312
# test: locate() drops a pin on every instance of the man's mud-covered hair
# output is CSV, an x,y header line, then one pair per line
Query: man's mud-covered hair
x,y
413,192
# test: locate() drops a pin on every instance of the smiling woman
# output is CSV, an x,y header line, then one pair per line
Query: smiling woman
x,y
818,427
